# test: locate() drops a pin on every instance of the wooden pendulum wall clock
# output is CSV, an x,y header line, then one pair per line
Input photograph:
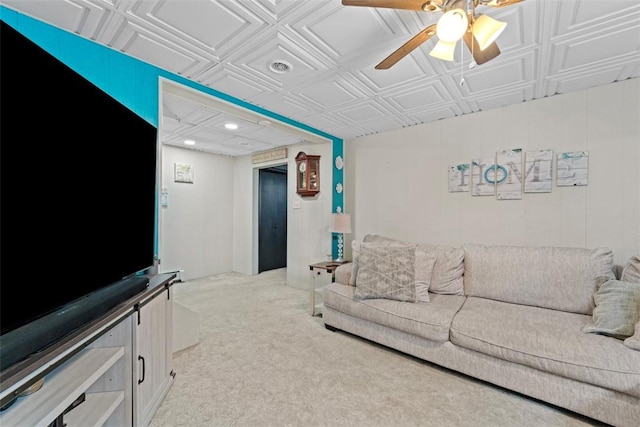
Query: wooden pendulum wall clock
x,y
307,174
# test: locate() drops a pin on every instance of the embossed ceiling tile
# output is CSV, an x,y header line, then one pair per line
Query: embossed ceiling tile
x,y
603,48
414,97
285,105
363,112
217,27
522,31
273,135
81,17
190,132
329,93
502,98
284,9
244,126
170,124
410,70
200,134
177,128
572,82
179,107
137,42
516,71
588,14
230,82
327,27
257,62
199,116
333,121
226,150
246,144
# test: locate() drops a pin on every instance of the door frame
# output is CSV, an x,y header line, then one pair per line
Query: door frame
x,y
255,250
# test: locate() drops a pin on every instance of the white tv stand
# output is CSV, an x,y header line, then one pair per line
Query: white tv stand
x,y
115,371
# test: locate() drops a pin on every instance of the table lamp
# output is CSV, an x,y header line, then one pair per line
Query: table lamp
x,y
340,224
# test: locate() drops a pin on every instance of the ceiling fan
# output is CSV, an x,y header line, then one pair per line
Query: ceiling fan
x,y
458,21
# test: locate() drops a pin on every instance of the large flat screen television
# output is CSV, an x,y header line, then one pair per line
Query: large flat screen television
x,y
78,198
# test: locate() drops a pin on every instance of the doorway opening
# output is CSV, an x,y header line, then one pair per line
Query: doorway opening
x,y
272,218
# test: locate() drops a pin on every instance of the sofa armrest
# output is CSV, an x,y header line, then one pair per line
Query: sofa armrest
x,y
343,273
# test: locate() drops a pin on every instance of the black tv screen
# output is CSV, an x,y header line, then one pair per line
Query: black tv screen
x,y
78,185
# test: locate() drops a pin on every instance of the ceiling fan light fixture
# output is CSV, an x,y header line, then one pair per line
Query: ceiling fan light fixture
x,y
431,6
452,25
486,30
443,50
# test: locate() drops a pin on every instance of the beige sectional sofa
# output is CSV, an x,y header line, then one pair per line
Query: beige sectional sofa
x,y
551,323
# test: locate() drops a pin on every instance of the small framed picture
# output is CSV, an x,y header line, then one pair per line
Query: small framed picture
x,y
183,173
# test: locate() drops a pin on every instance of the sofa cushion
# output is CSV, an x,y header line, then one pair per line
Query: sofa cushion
x,y
448,269
631,271
386,272
617,309
633,341
430,320
551,277
343,273
548,340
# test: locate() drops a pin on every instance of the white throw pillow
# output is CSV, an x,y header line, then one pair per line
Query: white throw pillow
x,y
631,272
634,341
617,309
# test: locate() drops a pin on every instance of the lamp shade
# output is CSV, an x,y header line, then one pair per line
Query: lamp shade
x,y
452,25
340,223
443,50
486,30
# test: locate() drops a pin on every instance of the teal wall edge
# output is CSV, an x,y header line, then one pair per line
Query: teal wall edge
x,y
134,83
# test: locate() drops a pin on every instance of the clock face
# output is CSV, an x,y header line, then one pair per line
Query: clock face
x,y
302,167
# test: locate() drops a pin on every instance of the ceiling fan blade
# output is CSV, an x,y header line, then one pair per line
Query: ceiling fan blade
x,y
501,3
480,56
394,4
406,48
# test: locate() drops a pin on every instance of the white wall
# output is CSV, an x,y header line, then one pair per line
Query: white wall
x,y
308,240
308,236
396,182
396,185
196,233
210,226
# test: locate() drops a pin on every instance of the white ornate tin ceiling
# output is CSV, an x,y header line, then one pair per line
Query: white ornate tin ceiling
x,y
548,47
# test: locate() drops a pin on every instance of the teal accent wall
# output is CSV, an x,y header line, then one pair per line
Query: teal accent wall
x,y
132,82
338,198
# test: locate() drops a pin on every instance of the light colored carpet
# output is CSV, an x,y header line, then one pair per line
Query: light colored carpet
x,y
263,360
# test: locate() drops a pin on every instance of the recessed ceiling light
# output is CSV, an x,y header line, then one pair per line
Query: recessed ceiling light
x,y
189,142
231,126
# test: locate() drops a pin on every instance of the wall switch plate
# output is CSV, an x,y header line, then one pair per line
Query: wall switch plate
x,y
296,204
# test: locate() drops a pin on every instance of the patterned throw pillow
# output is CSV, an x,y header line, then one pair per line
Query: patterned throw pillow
x,y
617,309
446,277
386,271
370,239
